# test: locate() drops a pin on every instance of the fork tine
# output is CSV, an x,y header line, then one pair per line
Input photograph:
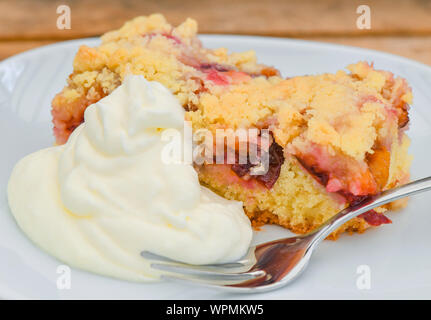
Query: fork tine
x,y
225,285
192,272
246,262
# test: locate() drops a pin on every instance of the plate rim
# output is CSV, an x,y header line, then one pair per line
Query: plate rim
x,y
291,41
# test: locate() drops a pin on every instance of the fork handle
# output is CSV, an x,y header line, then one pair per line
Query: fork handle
x,y
367,204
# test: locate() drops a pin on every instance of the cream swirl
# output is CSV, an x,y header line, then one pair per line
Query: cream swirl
x,y
106,195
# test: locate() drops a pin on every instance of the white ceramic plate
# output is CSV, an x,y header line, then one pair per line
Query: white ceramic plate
x,y
397,255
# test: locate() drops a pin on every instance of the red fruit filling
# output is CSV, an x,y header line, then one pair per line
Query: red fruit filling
x,y
276,159
371,217
374,218
166,35
337,173
353,183
204,67
222,75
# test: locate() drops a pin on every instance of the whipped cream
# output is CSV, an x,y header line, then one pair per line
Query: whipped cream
x,y
106,195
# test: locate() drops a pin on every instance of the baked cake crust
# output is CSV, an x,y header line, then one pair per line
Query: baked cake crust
x,y
342,136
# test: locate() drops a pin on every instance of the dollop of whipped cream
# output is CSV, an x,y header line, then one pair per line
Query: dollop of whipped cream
x,y
106,195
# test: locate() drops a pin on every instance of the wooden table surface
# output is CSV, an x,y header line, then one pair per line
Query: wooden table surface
x,y
402,27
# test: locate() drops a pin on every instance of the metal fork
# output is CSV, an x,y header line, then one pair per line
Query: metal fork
x,y
274,264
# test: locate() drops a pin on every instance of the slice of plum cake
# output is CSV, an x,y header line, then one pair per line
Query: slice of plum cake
x,y
334,138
